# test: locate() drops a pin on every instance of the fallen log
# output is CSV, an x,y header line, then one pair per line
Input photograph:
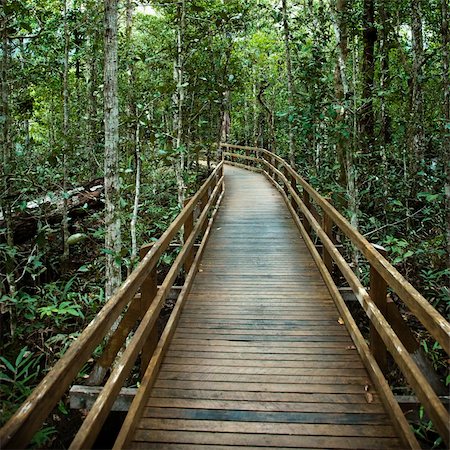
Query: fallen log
x,y
50,211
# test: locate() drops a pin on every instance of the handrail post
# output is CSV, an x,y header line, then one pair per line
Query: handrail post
x,y
307,202
265,163
327,225
149,289
378,293
187,230
286,175
295,188
220,175
203,203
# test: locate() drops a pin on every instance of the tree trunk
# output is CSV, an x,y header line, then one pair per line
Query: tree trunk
x,y
112,191
66,127
137,192
255,113
226,120
269,117
417,132
290,82
179,162
93,131
345,150
133,132
446,107
341,86
385,119
340,32
7,169
367,120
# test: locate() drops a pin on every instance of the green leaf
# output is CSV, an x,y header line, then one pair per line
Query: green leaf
x,y
8,364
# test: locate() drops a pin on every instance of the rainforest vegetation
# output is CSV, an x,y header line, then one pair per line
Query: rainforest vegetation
x,y
110,118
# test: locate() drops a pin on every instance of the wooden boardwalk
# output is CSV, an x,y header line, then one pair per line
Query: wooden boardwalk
x,y
259,358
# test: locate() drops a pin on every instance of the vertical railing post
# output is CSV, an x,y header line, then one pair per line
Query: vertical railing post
x,y
219,176
149,288
203,203
295,188
266,164
307,202
378,293
327,225
286,183
187,230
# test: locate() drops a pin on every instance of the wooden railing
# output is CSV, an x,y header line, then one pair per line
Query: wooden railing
x,y
123,310
314,215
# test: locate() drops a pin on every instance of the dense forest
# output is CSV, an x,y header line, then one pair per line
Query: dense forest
x,y
111,115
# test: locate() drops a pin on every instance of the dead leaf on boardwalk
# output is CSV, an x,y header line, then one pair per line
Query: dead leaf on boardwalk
x,y
369,397
366,388
341,321
200,270
350,347
219,228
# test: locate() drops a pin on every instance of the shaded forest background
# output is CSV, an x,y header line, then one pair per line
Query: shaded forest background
x,y
354,94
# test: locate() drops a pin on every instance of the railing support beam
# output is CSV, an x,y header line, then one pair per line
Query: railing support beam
x,y
327,225
149,289
378,293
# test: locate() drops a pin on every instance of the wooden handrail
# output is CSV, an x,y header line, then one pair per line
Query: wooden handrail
x,y
438,327
88,431
129,426
30,416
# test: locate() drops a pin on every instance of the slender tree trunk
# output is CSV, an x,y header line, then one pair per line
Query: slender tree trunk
x,y
179,163
367,120
352,166
112,191
137,192
417,132
345,149
341,85
226,120
385,119
338,12
290,82
7,153
133,132
6,171
255,112
131,103
446,107
269,117
93,131
66,151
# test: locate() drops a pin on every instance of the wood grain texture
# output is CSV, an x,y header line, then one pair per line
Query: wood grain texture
x,y
259,358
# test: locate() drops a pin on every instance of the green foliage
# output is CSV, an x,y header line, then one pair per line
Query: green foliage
x,y
18,376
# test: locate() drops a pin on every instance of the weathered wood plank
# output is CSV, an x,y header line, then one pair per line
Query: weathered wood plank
x,y
265,440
